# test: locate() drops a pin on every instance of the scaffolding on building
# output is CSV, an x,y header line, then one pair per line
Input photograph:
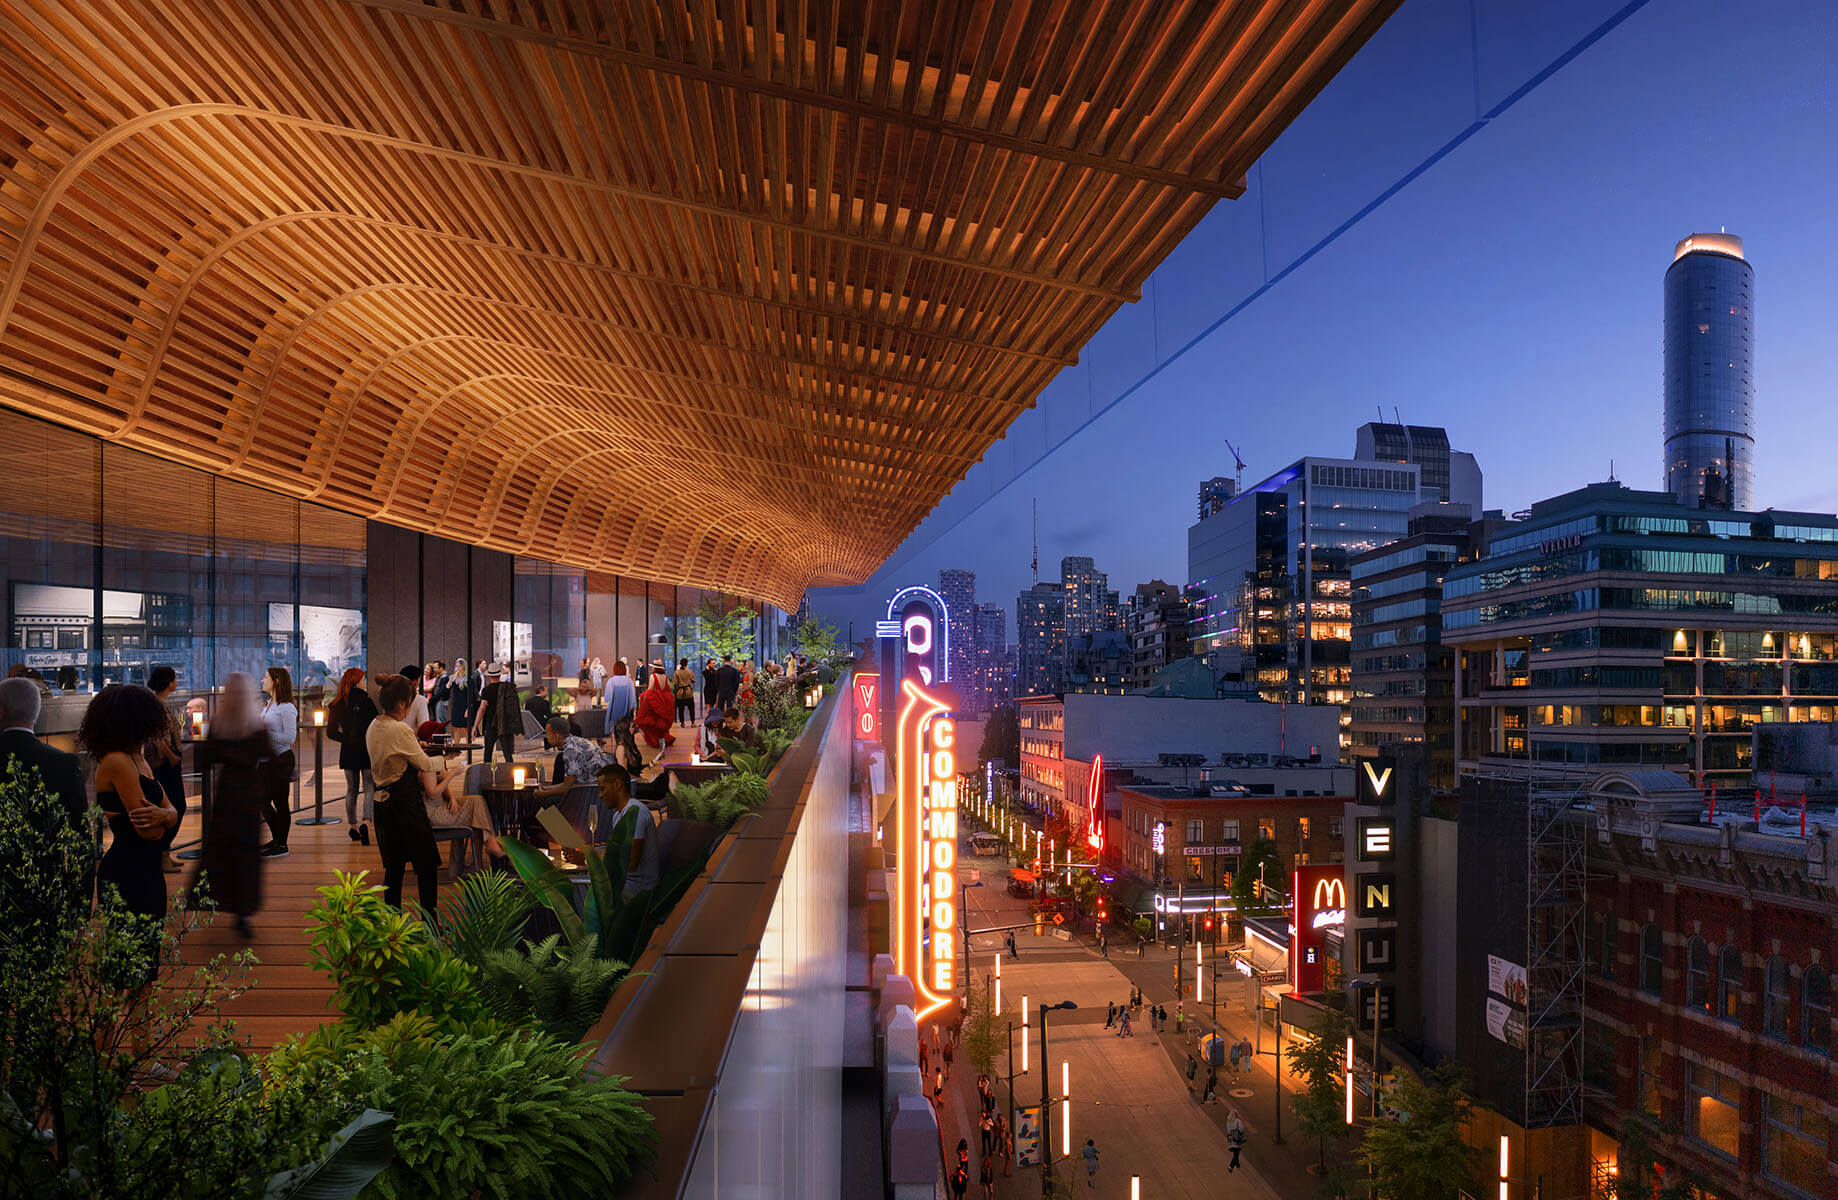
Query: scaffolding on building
x,y
1556,876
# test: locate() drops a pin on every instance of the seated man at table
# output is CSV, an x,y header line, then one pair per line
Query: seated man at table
x,y
735,727
578,762
616,793
538,705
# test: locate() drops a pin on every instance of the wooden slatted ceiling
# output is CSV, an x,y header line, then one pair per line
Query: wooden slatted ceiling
x,y
716,293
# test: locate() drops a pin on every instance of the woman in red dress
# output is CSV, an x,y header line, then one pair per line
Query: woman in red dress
x,y
656,712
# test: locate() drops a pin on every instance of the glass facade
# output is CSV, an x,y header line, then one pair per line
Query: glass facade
x,y
1710,382
115,562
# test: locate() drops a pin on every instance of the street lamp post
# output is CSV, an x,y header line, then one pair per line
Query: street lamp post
x,y
964,937
1046,1120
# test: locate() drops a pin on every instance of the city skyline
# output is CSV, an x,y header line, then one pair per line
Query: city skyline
x,y
1317,352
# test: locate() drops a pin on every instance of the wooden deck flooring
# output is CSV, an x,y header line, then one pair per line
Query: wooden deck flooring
x,y
288,996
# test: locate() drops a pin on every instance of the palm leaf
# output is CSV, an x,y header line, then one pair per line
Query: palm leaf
x,y
549,885
356,1155
606,878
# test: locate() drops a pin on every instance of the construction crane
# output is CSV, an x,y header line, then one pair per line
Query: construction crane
x,y
1238,464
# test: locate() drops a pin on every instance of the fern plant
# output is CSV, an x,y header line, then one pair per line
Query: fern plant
x,y
722,800
485,913
558,991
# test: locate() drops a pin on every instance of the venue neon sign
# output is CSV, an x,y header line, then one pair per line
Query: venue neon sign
x,y
926,936
1094,807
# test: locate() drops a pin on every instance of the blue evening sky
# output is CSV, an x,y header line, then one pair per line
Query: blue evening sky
x,y
1511,293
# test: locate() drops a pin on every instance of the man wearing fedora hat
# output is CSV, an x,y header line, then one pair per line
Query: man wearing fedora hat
x,y
500,715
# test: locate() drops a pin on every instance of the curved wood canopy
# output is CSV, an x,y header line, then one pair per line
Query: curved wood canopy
x,y
717,293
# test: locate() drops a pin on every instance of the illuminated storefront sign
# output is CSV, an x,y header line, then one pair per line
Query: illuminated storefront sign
x,y
1160,837
1374,894
1330,904
1094,807
926,938
1319,901
867,706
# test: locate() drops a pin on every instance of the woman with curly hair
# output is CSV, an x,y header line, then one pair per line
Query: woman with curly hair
x,y
120,722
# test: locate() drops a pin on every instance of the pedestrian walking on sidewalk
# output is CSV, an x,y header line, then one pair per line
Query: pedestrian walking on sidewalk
x,y
1235,1137
988,1179
1090,1155
1140,943
1193,1065
1110,1015
1005,1142
1012,952
1104,945
938,1090
1234,1059
986,1126
960,1183
949,1043
1126,1031
923,1072
1180,1016
1212,1084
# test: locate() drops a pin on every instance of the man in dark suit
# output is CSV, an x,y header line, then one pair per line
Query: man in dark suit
x,y
727,683
20,751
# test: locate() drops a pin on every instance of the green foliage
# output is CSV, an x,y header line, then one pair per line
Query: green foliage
x,y
355,1155
505,1114
383,962
560,992
608,923
725,631
746,761
1319,1061
1244,881
485,912
985,1036
1423,1156
78,1120
1638,1175
1001,738
723,800
815,640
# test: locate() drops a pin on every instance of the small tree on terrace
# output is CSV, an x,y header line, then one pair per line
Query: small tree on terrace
x,y
1320,1063
1422,1156
725,631
815,640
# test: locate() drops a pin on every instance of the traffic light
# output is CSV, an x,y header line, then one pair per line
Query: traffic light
x,y
1209,922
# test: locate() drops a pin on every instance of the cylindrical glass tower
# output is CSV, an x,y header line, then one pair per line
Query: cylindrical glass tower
x,y
1710,381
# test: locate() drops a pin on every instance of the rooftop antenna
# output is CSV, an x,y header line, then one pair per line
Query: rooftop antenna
x,y
1035,565
1611,470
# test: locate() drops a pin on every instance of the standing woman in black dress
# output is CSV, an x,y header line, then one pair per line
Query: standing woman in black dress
x,y
348,723
167,757
120,722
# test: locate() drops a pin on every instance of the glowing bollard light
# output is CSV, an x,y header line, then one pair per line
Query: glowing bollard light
x,y
1349,1080
998,983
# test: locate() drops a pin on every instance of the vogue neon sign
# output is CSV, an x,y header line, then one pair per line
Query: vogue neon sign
x,y
926,937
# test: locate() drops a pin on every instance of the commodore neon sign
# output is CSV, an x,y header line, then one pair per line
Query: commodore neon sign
x,y
926,934
918,616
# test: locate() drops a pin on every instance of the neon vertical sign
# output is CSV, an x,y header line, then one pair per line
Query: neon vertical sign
x,y
867,706
1094,807
926,934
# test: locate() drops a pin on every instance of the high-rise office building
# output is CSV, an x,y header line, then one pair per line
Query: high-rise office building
x,y
1040,634
1403,676
1215,494
1156,620
1091,607
1620,629
1269,571
958,589
1710,379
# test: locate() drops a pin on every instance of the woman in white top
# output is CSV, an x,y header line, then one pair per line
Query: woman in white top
x,y
598,673
282,720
